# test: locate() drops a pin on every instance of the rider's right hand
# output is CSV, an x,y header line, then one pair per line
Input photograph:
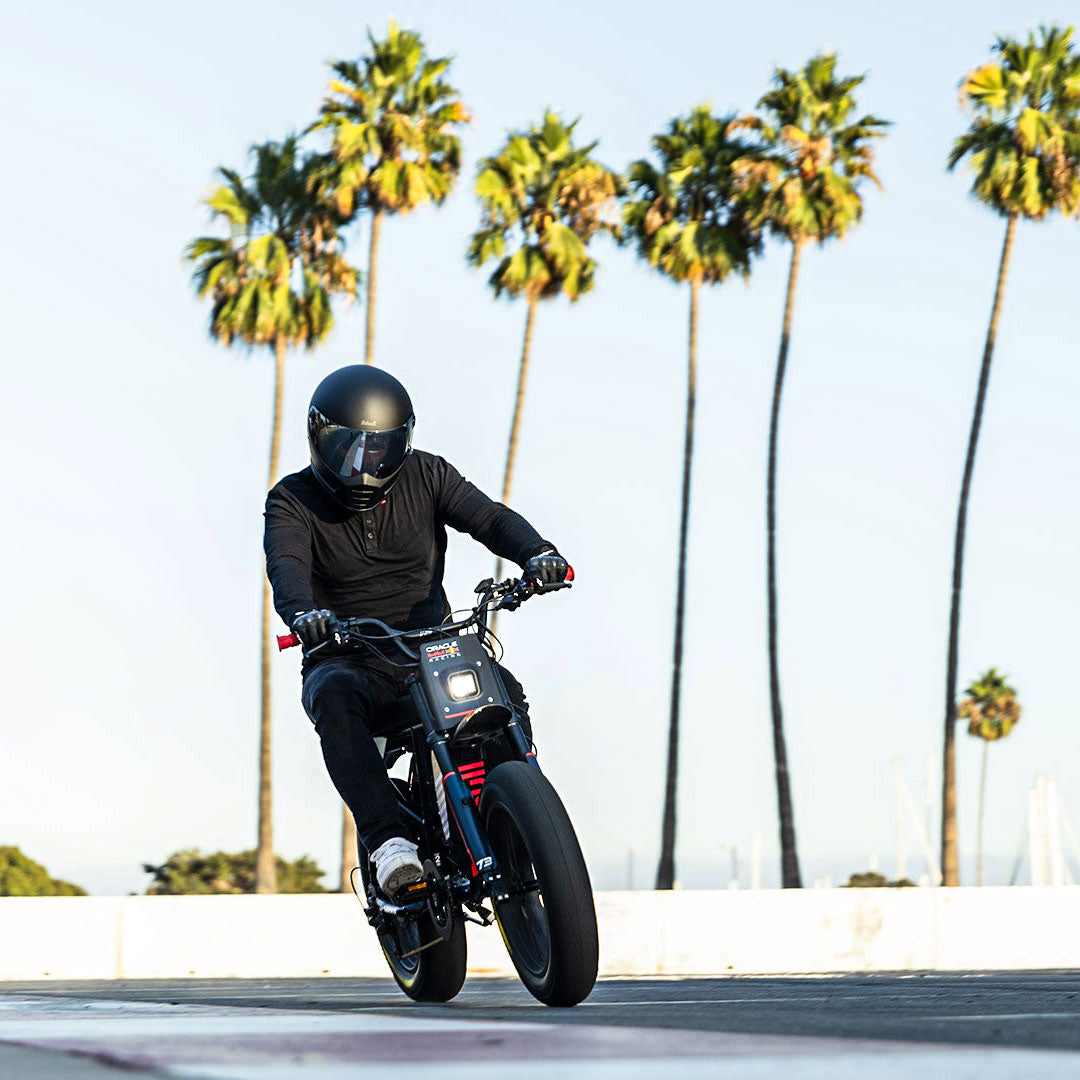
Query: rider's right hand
x,y
314,627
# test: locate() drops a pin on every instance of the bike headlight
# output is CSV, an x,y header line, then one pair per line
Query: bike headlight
x,y
463,685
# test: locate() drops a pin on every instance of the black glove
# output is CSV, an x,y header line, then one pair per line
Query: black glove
x,y
546,568
314,627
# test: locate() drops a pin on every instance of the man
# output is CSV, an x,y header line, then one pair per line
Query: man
x,y
362,532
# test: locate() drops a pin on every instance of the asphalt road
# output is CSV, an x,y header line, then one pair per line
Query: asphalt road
x,y
1037,1009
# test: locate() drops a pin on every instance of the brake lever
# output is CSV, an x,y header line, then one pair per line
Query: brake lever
x,y
552,587
337,639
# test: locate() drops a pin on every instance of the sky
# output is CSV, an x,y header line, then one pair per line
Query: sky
x,y
136,447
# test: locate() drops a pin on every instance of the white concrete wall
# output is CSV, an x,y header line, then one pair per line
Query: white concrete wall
x,y
641,933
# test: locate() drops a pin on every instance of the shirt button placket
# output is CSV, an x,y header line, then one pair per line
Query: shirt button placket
x,y
369,525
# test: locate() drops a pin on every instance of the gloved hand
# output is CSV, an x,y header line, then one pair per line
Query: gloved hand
x,y
314,627
547,568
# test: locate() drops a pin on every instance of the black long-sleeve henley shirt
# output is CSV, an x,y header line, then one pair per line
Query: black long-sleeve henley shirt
x,y
386,563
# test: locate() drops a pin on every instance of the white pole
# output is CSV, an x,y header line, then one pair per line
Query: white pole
x,y
901,852
1059,872
1070,832
922,835
1036,848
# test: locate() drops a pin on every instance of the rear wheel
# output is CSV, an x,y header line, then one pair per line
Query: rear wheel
x,y
548,922
436,973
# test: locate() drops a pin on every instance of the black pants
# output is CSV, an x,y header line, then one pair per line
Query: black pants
x,y
347,698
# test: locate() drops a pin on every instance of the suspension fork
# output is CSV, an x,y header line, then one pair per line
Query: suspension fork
x,y
517,738
515,733
461,806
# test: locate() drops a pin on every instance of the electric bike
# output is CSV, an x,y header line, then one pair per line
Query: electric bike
x,y
490,827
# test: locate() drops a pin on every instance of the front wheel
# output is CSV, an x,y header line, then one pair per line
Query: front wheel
x,y
548,921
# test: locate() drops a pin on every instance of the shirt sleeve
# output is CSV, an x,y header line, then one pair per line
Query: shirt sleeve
x,y
463,506
287,543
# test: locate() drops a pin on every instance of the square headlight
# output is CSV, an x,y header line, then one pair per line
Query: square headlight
x,y
463,685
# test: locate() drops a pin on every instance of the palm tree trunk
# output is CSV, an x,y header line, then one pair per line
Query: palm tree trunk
x,y
348,848
373,256
265,870
665,871
982,813
515,424
789,859
950,851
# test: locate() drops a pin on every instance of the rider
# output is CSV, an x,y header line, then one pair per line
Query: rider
x,y
362,532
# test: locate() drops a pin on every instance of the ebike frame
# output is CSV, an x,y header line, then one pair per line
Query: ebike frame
x,y
457,694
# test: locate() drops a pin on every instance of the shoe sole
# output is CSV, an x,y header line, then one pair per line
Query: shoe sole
x,y
406,875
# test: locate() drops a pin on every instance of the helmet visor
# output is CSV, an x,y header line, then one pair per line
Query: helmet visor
x,y
350,454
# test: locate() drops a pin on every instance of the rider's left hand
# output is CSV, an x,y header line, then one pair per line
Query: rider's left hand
x,y
547,568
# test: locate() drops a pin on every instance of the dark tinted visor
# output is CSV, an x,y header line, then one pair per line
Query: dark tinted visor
x,y
350,453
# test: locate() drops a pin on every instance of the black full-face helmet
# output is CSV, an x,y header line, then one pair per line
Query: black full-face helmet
x,y
360,431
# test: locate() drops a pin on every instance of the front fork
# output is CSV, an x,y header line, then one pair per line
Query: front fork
x,y
462,806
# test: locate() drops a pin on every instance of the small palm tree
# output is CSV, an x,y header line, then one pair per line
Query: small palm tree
x,y
1024,149
689,224
392,115
802,186
543,200
992,711
270,282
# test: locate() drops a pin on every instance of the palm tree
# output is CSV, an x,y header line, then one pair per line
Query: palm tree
x,y
992,711
543,200
804,186
690,225
392,116
270,282
1024,148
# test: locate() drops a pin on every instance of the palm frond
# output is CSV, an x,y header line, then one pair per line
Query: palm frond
x,y
1023,142
545,198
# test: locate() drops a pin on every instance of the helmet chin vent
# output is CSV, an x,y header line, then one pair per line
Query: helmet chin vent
x,y
364,500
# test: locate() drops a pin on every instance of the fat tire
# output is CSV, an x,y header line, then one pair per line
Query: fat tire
x,y
520,793
439,972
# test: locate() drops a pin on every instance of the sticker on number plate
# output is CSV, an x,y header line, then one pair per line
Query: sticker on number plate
x,y
445,650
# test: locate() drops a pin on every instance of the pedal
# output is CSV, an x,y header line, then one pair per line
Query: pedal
x,y
416,890
486,917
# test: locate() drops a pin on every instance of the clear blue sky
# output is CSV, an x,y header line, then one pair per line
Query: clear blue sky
x,y
136,448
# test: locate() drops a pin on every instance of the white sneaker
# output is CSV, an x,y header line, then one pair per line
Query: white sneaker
x,y
396,865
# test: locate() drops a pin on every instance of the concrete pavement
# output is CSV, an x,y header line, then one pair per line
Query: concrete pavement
x,y
898,1026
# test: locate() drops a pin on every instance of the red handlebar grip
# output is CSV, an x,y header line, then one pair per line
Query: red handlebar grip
x,y
287,641
569,573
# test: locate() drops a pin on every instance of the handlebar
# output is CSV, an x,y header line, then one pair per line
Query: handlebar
x,y
508,595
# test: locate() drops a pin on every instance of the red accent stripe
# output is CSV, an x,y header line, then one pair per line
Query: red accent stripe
x,y
473,869
473,772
